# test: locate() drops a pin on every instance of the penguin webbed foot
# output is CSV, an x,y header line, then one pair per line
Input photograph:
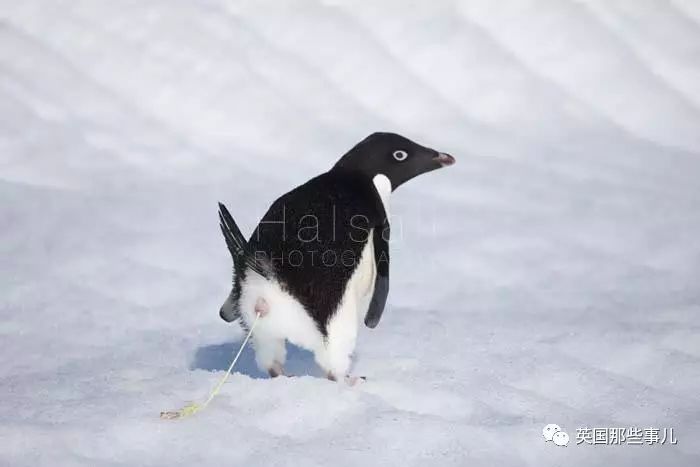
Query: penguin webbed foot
x,y
276,370
349,380
355,380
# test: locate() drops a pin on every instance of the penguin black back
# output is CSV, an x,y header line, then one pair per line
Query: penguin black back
x,y
313,238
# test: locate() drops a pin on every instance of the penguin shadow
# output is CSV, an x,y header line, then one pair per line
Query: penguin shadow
x,y
218,357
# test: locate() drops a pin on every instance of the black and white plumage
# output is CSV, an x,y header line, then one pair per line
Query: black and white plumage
x,y
318,262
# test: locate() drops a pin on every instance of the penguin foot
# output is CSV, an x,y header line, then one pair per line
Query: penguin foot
x,y
276,370
354,380
349,380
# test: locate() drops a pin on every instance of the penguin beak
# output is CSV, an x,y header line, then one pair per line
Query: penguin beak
x,y
444,159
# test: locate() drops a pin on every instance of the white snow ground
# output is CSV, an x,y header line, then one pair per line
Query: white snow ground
x,y
551,276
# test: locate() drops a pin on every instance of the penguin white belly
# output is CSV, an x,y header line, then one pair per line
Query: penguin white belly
x,y
363,279
343,326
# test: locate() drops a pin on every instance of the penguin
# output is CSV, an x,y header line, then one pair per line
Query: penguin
x,y
317,264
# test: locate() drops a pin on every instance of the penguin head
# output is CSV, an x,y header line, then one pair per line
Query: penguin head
x,y
392,155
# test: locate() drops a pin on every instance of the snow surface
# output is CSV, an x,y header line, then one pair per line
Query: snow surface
x,y
551,276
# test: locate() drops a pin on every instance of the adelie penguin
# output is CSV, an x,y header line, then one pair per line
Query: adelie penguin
x,y
317,265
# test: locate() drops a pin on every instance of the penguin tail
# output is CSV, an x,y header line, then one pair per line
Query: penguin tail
x,y
235,241
237,244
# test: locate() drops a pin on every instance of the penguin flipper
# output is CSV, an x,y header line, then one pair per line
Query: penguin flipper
x,y
381,283
228,311
237,244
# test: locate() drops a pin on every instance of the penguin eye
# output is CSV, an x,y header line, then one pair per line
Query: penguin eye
x,y
400,155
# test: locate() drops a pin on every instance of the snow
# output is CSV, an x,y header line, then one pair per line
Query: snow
x,y
550,276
